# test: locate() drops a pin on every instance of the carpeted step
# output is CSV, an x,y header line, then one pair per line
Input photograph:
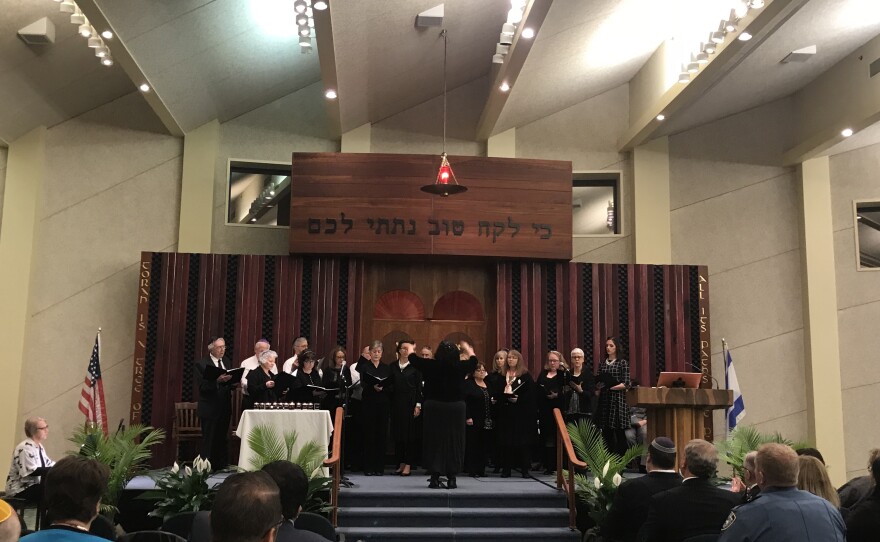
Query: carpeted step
x,y
450,499
442,517
451,534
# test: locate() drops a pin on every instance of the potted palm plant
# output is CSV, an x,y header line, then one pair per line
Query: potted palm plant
x,y
747,438
268,446
604,466
125,452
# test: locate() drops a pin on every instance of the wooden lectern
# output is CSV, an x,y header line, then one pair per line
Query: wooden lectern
x,y
678,413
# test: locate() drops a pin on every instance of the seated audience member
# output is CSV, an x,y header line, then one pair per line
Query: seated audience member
x,y
858,489
294,487
630,506
73,491
863,522
748,487
694,508
783,513
813,477
637,433
28,456
10,526
247,508
810,452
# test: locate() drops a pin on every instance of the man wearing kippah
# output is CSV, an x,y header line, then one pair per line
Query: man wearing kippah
x,y
10,525
630,506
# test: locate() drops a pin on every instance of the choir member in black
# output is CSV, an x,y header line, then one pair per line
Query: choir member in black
x,y
306,375
333,378
552,386
426,352
376,379
517,416
480,422
612,382
406,408
261,385
354,417
581,382
444,416
495,381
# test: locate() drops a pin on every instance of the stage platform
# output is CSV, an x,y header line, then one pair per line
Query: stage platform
x,y
488,509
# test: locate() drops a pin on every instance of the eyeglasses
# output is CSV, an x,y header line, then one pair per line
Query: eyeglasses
x,y
42,428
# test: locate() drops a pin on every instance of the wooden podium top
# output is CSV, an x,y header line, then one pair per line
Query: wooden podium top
x,y
702,398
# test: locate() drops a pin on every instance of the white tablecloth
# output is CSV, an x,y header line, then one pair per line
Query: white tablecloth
x,y
308,424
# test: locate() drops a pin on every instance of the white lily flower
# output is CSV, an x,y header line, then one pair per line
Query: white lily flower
x,y
188,471
597,482
605,469
617,479
175,468
207,464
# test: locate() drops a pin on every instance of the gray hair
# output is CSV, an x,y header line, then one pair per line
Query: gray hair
x,y
264,356
300,340
30,426
749,460
701,458
375,344
577,351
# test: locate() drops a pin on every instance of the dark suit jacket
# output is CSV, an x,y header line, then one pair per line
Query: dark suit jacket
x,y
694,508
630,507
214,398
863,522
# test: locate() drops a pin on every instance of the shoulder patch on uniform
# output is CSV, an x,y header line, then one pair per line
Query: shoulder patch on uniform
x,y
729,521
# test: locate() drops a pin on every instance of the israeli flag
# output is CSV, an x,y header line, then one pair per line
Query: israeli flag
x,y
738,410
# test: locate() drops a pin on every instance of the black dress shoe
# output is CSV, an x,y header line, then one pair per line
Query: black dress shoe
x,y
525,473
435,481
451,483
368,474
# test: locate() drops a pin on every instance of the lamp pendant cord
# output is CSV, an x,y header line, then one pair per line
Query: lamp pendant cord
x,y
445,43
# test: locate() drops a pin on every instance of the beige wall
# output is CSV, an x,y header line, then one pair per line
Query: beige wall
x,y
294,123
587,135
111,190
854,176
419,129
735,209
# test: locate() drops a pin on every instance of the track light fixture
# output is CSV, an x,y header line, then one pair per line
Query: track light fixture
x,y
300,6
756,4
320,5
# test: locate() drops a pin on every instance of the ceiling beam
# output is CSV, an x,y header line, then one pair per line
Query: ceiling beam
x,y
845,96
675,96
533,17
123,58
327,61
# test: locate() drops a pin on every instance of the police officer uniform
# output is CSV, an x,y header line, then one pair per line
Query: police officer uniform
x,y
784,514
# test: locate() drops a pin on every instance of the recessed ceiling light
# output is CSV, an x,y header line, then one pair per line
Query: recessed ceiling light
x,y
253,220
330,94
661,117
504,87
144,87
528,33
846,132
107,61
756,4
744,36
107,35
320,5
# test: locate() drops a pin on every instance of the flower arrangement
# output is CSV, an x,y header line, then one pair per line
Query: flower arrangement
x,y
183,489
598,492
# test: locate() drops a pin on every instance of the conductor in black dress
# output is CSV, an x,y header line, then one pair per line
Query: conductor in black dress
x,y
215,405
376,379
444,412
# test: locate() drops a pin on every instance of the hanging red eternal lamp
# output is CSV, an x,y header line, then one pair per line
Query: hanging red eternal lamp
x,y
442,186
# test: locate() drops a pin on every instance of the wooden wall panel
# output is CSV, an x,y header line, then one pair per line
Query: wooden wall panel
x,y
349,204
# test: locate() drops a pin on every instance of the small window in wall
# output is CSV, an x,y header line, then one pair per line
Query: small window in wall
x,y
259,194
594,204
867,234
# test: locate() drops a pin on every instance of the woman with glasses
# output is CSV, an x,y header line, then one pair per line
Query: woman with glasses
x,y
305,376
28,456
552,387
479,407
579,405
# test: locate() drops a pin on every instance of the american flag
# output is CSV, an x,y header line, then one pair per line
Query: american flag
x,y
91,402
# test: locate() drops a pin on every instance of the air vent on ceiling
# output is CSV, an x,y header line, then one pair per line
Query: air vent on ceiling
x,y
800,55
41,32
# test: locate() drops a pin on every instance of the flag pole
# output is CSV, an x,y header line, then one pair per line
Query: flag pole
x,y
726,386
